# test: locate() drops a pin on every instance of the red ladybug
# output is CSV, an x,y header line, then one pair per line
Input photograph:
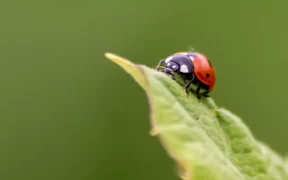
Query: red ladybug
x,y
194,67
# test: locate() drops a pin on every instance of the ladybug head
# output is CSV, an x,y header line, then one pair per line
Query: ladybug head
x,y
171,67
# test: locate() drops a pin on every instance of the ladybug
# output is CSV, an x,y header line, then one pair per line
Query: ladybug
x,y
193,67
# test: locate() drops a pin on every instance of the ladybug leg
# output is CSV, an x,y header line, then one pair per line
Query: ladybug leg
x,y
173,77
205,94
188,85
170,73
159,64
197,92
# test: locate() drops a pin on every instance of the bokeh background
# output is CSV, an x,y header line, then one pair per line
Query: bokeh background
x,y
66,112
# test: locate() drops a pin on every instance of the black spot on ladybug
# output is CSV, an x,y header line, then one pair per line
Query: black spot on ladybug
x,y
207,75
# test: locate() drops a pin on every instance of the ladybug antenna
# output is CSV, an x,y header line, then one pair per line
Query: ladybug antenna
x,y
191,49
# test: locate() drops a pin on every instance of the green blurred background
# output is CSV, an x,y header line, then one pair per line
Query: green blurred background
x,y
69,113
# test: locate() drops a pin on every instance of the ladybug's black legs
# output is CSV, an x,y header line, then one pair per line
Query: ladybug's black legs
x,y
188,85
173,76
159,64
197,92
205,94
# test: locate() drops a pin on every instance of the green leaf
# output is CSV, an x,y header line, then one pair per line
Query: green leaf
x,y
207,142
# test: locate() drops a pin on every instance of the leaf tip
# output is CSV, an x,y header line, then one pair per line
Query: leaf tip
x,y
118,59
108,55
112,57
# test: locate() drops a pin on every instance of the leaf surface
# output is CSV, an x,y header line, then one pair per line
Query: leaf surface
x,y
207,142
